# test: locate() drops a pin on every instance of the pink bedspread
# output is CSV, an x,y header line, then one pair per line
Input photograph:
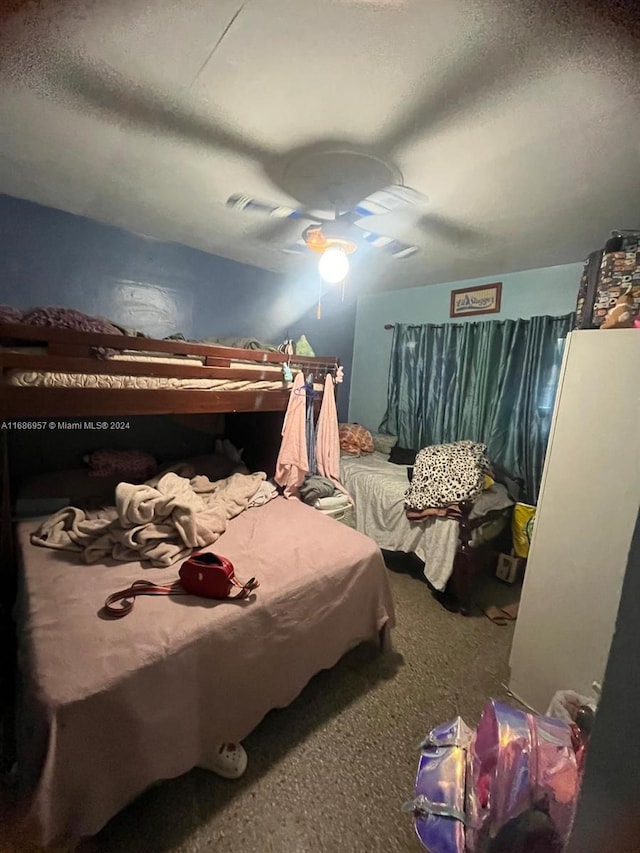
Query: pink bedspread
x,y
109,707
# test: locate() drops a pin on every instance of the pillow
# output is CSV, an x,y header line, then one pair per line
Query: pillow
x,y
303,347
402,456
134,466
355,439
383,443
68,318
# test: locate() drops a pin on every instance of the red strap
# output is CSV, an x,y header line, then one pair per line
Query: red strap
x,y
245,589
127,596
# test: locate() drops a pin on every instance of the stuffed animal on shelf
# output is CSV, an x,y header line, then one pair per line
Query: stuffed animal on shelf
x,y
621,316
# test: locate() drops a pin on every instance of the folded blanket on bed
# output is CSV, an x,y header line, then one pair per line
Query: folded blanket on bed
x,y
452,511
160,521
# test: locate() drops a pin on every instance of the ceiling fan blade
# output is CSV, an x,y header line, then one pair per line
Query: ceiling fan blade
x,y
491,69
396,248
103,90
447,229
388,199
237,201
276,231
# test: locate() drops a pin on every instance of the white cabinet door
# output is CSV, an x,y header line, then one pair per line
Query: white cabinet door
x,y
587,509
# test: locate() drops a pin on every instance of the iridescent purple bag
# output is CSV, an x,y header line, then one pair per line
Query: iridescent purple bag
x,y
474,788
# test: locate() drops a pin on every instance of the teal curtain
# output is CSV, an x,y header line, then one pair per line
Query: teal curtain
x,y
492,382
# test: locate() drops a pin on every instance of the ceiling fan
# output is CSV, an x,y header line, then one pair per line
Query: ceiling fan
x,y
337,235
101,89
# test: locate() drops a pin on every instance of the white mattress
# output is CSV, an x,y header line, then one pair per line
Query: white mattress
x,y
54,379
378,487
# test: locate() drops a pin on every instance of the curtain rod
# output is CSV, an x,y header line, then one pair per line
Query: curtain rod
x,y
389,325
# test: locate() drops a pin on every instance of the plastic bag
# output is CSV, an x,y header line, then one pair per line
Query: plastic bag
x,y
476,786
524,516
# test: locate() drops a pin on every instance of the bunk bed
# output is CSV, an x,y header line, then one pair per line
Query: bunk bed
x,y
97,696
48,372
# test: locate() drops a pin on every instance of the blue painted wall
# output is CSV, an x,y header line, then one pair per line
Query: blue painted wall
x,y
551,291
48,257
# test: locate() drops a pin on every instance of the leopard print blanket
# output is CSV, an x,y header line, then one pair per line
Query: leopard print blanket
x,y
446,474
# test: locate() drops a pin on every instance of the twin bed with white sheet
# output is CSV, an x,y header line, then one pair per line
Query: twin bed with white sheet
x,y
378,487
445,545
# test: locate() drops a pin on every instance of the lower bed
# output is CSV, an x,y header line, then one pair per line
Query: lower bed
x,y
378,488
110,707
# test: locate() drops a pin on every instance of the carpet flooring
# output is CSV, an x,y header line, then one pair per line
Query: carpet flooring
x,y
330,773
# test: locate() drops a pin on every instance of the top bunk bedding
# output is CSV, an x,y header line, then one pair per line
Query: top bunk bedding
x,y
50,371
40,378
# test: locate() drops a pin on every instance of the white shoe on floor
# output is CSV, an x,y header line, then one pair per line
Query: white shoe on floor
x,y
229,760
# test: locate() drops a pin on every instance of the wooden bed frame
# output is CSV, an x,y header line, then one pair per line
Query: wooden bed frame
x,y
469,562
74,352
68,351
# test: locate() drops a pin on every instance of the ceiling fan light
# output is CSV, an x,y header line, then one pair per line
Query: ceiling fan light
x,y
334,265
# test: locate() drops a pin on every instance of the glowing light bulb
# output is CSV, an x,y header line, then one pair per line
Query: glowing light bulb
x,y
334,265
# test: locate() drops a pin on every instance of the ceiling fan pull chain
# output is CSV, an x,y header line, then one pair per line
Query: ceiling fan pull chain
x,y
319,308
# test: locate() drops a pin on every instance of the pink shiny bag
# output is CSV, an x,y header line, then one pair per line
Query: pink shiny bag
x,y
516,777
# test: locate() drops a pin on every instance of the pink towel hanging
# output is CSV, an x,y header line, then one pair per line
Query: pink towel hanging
x,y
293,461
327,438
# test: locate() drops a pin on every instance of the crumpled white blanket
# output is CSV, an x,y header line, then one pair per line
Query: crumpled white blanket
x,y
160,521
267,491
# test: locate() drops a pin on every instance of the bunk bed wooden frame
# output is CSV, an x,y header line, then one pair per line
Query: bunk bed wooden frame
x,y
50,349
75,353
45,348
66,351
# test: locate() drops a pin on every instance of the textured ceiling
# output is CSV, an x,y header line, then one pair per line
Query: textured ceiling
x,y
519,120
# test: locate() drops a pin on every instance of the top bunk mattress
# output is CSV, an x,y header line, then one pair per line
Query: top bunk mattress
x,y
32,378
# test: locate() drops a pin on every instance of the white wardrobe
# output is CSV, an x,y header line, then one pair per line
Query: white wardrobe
x,y
587,510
